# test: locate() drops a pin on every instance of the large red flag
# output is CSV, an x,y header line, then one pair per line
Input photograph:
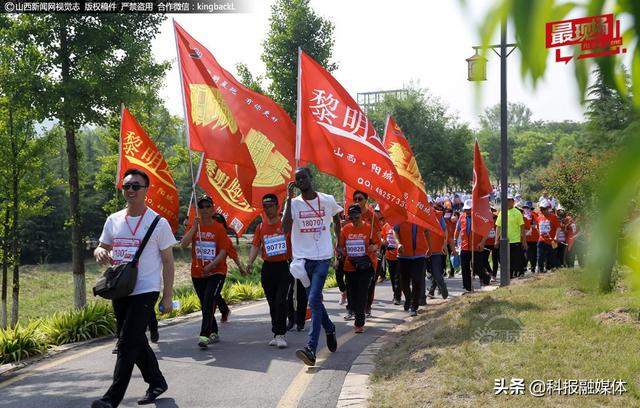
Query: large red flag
x,y
220,182
266,129
335,135
481,217
420,210
212,124
138,151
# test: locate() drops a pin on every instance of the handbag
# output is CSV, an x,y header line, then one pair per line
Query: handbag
x,y
120,280
361,263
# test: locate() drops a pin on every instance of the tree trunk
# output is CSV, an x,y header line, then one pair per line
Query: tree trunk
x,y
15,258
5,267
80,295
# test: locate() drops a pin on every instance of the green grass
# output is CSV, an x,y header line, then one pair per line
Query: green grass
x,y
440,362
48,317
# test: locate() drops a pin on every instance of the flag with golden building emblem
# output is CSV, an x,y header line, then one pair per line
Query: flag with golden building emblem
x,y
138,151
233,123
219,181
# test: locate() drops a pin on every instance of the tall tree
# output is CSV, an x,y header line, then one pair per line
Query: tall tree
x,y
293,24
93,63
20,149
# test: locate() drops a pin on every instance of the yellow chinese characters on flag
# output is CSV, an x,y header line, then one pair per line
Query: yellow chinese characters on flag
x,y
219,180
138,151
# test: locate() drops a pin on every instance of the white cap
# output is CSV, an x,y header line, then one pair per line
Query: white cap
x,y
509,196
467,204
544,203
429,198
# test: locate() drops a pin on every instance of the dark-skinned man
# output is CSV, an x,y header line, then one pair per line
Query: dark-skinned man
x,y
308,218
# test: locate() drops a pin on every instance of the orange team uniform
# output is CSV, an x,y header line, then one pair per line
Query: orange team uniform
x,y
355,242
405,232
491,238
276,245
463,231
206,244
548,226
438,243
390,240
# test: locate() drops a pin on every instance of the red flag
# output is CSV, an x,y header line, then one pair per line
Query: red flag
x,y
220,182
481,217
335,135
420,210
211,124
138,151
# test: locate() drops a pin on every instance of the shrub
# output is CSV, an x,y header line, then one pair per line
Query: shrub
x,y
95,320
21,342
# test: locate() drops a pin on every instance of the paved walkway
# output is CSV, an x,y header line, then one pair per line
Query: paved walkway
x,y
240,371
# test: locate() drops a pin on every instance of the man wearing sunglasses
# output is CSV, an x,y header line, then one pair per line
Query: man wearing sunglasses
x,y
275,277
121,236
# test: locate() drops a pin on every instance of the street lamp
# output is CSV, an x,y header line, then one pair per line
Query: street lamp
x,y
477,67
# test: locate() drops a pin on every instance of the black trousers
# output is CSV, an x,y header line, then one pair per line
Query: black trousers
x,y
359,283
276,280
132,314
495,260
465,264
517,261
371,293
299,313
546,257
486,266
208,290
153,324
438,263
381,272
411,280
340,276
560,255
532,256
394,276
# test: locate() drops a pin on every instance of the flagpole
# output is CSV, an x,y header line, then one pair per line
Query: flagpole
x,y
185,127
299,109
119,150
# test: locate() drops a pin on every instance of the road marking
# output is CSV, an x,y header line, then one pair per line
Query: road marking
x,y
298,386
59,361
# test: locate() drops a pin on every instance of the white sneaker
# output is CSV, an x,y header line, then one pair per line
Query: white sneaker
x,y
281,342
273,342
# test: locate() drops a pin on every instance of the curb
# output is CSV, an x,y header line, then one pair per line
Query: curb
x,y
56,351
356,389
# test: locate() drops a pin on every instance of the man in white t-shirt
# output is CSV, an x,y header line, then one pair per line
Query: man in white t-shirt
x,y
308,218
121,236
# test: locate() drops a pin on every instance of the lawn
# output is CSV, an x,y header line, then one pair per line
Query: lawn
x,y
48,288
453,354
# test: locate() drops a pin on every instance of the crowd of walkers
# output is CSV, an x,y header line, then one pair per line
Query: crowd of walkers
x,y
298,241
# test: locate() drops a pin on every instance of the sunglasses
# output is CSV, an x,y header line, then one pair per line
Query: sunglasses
x,y
358,199
134,187
201,206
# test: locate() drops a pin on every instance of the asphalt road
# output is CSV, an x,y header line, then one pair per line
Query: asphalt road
x,y
240,371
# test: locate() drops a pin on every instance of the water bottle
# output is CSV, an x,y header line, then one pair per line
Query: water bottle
x,y
175,304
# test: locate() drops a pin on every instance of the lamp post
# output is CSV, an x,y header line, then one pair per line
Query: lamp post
x,y
477,72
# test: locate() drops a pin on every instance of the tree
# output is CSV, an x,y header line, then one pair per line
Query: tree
x,y
293,24
247,79
518,117
92,64
433,134
21,151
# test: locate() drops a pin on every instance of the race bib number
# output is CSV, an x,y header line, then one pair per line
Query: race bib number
x,y
545,227
311,224
561,236
124,249
275,245
206,250
355,247
492,233
391,241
